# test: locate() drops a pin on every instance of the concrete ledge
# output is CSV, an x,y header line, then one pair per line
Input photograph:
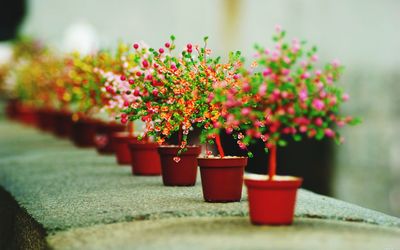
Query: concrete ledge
x,y
228,233
65,188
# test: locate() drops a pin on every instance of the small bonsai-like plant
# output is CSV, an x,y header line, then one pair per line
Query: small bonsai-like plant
x,y
283,93
174,91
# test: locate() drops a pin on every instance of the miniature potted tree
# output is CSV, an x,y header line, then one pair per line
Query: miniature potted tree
x,y
283,94
166,106
144,157
119,93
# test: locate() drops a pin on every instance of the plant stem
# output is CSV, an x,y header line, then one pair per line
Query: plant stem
x,y
180,132
131,128
272,162
219,146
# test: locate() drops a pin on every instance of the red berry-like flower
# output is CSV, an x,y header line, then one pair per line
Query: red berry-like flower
x,y
145,63
124,120
189,46
155,92
167,45
131,81
126,103
135,46
123,78
155,65
138,74
189,50
161,50
123,115
136,92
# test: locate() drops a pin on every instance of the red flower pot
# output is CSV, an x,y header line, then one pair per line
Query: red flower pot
x,y
272,202
46,120
12,109
179,170
145,159
83,132
222,178
103,140
63,124
121,142
27,115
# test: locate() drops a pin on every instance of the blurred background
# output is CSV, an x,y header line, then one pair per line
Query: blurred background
x,y
364,35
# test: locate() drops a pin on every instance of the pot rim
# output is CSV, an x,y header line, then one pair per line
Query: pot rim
x,y
279,181
233,162
142,145
173,150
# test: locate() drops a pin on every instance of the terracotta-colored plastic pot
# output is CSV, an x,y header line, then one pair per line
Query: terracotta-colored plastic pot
x,y
46,120
27,115
272,202
145,159
63,124
222,178
83,132
121,142
103,140
12,109
179,170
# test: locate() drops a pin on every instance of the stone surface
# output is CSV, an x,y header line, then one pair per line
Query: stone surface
x,y
73,193
228,233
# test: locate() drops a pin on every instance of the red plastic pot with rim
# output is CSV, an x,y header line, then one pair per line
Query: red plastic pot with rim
x,y
103,140
83,132
272,202
145,159
12,109
46,119
179,170
222,178
63,123
27,115
121,142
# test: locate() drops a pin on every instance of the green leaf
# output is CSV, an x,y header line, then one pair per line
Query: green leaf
x,y
282,143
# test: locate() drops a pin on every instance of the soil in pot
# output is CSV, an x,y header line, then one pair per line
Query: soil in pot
x,y
145,159
179,170
121,142
103,139
83,132
272,202
222,178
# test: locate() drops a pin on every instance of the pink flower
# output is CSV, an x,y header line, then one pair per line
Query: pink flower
x,y
285,72
303,129
267,71
314,58
329,132
262,90
246,87
336,63
305,75
318,104
319,122
345,97
278,28
245,111
303,95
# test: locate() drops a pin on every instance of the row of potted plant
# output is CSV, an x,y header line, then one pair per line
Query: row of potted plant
x,y
186,99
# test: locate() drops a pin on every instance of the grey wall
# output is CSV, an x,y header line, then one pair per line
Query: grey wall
x,y
362,34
